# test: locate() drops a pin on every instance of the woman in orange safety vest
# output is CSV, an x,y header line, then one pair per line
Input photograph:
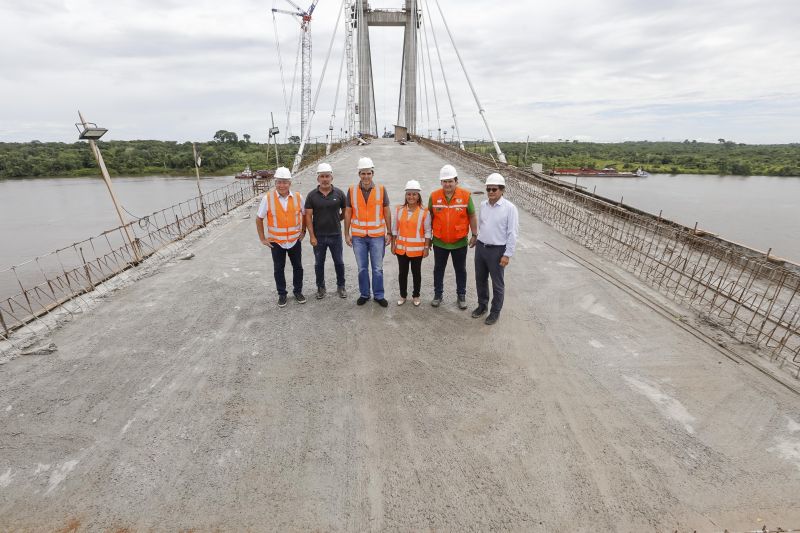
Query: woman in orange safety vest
x,y
411,228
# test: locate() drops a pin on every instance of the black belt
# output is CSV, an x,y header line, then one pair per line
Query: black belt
x,y
492,245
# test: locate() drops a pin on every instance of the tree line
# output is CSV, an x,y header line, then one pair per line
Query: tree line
x,y
226,154
687,157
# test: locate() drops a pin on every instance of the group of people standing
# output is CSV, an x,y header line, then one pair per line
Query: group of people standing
x,y
448,226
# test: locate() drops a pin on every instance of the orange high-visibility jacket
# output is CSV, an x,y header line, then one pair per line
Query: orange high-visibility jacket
x,y
284,225
410,231
450,221
367,218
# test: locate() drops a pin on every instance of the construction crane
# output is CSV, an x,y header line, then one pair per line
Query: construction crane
x,y
305,80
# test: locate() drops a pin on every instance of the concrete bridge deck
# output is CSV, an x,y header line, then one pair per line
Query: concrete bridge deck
x,y
189,400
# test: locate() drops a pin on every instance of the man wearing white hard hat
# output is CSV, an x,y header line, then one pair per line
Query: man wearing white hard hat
x,y
498,228
325,207
367,228
286,226
453,217
411,231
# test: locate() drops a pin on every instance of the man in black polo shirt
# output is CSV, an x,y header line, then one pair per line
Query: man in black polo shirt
x,y
324,212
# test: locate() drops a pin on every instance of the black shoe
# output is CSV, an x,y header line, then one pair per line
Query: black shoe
x,y
362,300
321,293
491,319
462,301
299,298
382,302
282,300
342,292
480,310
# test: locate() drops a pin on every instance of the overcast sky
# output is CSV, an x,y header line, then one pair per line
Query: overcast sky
x,y
600,70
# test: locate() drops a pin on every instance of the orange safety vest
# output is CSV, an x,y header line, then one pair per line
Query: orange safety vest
x,y
410,231
367,218
284,225
450,221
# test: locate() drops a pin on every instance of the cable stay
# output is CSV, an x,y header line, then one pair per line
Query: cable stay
x,y
433,82
424,89
444,77
500,154
286,104
335,102
312,112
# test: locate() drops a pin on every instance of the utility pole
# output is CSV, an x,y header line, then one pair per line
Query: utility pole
x,y
91,134
199,190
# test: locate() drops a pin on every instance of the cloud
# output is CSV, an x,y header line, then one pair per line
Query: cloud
x,y
614,70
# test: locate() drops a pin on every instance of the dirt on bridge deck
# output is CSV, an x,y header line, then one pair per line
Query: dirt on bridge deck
x,y
189,400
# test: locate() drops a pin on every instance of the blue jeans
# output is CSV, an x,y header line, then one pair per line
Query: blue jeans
x,y
440,256
334,244
295,254
370,250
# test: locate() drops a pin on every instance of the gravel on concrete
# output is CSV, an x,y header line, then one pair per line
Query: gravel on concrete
x,y
189,400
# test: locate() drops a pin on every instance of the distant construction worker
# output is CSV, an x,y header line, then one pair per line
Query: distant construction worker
x,y
369,218
411,229
286,228
453,217
325,207
498,228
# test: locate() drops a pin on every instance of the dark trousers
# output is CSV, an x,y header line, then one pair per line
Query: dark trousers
x,y
295,254
487,263
440,256
415,263
334,244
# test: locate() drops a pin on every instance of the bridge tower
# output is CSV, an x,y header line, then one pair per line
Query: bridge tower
x,y
408,18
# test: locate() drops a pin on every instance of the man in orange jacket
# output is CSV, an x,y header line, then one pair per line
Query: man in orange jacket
x,y
453,217
283,209
368,230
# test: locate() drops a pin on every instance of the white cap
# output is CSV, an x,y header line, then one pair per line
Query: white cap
x,y
283,173
324,167
448,172
413,185
365,163
496,179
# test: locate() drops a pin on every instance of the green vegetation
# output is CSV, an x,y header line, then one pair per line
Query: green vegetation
x,y
687,157
226,154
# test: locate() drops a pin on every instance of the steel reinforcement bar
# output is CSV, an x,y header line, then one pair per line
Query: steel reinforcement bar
x,y
46,282
747,293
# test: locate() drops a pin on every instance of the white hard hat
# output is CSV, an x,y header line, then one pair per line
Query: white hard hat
x,y
496,179
365,163
448,172
324,167
283,173
413,185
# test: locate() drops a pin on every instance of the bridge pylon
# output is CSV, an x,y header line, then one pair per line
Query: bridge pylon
x,y
408,18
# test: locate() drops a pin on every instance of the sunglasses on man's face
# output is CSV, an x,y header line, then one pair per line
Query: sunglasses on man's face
x,y
492,189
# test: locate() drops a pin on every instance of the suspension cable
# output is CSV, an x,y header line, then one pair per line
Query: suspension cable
x,y
446,85
304,141
500,154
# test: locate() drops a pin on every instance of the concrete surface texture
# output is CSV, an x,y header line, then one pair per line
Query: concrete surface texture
x,y
189,400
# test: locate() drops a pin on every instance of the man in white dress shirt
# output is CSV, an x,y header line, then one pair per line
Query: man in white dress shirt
x,y
498,228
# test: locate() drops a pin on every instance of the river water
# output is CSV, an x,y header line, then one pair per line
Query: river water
x,y
43,214
761,212
40,215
